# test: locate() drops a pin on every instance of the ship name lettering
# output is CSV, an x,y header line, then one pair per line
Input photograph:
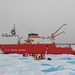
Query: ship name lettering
x,y
22,49
13,49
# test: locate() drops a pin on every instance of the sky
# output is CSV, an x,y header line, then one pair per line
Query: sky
x,y
39,16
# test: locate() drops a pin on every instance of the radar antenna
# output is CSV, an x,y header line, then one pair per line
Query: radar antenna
x,y
13,31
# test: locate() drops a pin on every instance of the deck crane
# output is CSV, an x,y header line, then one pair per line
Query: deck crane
x,y
54,34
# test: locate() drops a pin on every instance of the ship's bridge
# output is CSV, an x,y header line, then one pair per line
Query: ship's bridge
x,y
33,35
34,38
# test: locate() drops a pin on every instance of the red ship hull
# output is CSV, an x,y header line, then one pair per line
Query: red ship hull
x,y
35,48
34,44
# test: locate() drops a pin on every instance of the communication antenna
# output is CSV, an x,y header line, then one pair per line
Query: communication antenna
x,y
13,31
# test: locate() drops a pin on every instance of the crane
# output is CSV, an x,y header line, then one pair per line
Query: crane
x,y
54,34
59,33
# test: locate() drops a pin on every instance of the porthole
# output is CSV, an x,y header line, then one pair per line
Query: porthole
x,y
2,46
34,46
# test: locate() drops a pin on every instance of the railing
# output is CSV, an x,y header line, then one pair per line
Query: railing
x,y
65,43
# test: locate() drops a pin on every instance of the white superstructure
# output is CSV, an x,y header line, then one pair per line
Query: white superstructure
x,y
9,40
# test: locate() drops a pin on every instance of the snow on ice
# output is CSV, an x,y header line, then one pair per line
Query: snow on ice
x,y
16,64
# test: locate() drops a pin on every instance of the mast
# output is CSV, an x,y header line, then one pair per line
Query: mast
x,y
13,31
